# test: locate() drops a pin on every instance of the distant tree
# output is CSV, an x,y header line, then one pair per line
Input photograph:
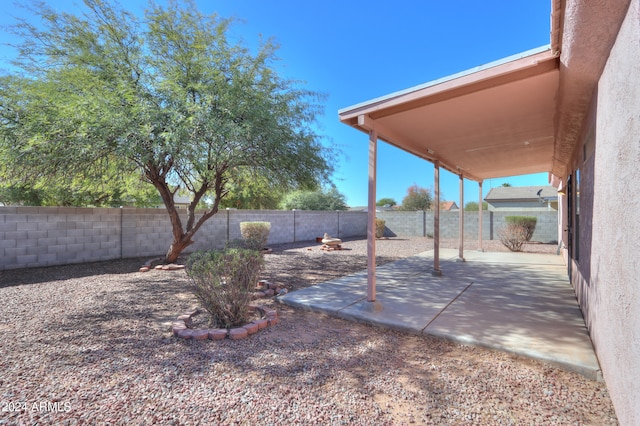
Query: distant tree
x,y
253,192
506,185
331,199
386,202
417,198
472,206
166,98
121,190
20,195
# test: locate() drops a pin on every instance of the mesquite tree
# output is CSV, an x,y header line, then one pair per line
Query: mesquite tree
x,y
168,97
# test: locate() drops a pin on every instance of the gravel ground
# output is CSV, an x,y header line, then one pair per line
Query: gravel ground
x,y
89,344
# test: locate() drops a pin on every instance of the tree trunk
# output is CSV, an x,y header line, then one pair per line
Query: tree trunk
x,y
176,248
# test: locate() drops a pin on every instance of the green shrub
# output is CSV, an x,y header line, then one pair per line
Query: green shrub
x,y
380,228
527,222
223,281
255,234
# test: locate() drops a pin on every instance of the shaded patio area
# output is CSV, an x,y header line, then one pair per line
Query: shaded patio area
x,y
521,303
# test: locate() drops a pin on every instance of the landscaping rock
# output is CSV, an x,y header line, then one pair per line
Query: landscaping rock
x,y
273,321
200,334
177,326
238,333
217,333
262,323
252,328
186,333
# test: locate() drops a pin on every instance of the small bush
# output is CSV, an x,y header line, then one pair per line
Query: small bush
x,y
380,228
527,222
223,280
513,236
255,234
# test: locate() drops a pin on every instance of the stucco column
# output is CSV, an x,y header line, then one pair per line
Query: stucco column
x,y
480,248
461,222
436,220
371,218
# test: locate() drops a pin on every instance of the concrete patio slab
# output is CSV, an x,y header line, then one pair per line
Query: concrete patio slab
x,y
535,315
520,303
406,306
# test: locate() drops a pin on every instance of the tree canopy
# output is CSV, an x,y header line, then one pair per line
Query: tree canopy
x,y
386,202
472,206
417,198
330,199
166,98
253,192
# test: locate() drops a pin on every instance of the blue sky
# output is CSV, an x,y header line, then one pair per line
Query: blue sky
x,y
355,50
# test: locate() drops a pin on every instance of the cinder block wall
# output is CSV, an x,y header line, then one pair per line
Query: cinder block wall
x,y
45,236
403,223
281,223
352,224
420,223
42,236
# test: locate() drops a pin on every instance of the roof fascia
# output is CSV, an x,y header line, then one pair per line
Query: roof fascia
x,y
470,79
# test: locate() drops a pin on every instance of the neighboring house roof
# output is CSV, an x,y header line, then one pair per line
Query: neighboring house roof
x,y
521,193
365,208
447,205
181,199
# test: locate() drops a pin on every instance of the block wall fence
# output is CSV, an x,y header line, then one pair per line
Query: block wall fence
x,y
46,236
420,223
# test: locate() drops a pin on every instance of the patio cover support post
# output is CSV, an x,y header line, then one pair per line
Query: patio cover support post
x,y
436,221
371,218
480,248
461,221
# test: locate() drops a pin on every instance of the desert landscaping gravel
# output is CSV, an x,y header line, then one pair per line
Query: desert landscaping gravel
x,y
90,344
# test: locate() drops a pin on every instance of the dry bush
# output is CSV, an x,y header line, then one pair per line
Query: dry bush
x,y
223,280
513,236
527,222
380,223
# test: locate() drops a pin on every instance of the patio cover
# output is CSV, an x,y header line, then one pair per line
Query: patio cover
x,y
519,115
493,121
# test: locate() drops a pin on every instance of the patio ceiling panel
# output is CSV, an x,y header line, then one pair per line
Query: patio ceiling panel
x,y
491,122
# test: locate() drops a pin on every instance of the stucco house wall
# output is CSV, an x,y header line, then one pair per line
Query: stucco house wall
x,y
606,274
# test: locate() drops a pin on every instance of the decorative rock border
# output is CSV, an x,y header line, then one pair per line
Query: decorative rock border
x,y
180,327
149,265
327,247
265,288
